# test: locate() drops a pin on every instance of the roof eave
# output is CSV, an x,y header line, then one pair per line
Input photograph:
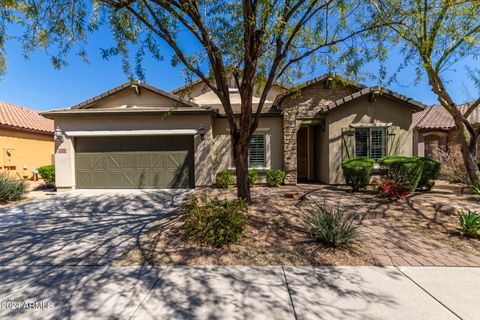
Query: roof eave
x,y
70,112
126,85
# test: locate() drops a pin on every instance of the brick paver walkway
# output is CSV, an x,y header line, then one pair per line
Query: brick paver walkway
x,y
399,247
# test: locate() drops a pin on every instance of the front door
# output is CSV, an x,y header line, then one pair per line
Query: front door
x,y
302,153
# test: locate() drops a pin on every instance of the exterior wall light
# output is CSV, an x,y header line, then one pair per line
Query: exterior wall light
x,y
58,135
202,131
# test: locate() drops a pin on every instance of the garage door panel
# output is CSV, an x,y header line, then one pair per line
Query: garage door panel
x,y
170,168
145,160
114,161
129,161
98,162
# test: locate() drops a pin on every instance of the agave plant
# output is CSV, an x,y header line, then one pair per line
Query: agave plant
x,y
469,223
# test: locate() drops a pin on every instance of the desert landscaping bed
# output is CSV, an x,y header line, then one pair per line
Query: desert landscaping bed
x,y
431,214
275,234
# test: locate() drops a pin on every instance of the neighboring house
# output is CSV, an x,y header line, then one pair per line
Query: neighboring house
x,y
433,129
26,140
138,136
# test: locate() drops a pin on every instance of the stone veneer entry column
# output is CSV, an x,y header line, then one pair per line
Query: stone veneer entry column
x,y
290,145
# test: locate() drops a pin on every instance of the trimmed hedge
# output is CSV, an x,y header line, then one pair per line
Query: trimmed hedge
x,y
430,172
357,172
47,173
405,171
252,177
224,179
275,177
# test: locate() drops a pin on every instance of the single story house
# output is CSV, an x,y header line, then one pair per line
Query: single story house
x,y
138,136
433,129
26,140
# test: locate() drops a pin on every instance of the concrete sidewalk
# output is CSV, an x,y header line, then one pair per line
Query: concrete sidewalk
x,y
83,292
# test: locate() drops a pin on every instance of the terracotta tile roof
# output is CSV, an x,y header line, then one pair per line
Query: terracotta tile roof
x,y
436,117
19,117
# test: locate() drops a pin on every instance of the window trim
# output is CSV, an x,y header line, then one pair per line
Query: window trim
x,y
369,139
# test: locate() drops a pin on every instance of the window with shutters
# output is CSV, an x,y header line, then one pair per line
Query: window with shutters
x,y
257,154
370,142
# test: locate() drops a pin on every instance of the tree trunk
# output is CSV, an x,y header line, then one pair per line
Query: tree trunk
x,y
468,145
241,150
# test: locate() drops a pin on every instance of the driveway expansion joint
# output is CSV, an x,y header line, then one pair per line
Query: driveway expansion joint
x,y
149,291
289,293
427,292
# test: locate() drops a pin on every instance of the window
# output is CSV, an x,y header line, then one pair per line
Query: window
x,y
257,151
370,142
431,148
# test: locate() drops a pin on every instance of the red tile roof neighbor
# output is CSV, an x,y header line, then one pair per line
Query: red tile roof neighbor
x,y
22,118
436,117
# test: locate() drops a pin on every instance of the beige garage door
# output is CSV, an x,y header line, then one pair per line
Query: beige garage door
x,y
134,162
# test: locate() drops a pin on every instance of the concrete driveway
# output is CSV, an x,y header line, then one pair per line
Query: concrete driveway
x,y
80,227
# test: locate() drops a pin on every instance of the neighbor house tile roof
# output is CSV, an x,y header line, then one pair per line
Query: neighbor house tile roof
x,y
436,117
22,118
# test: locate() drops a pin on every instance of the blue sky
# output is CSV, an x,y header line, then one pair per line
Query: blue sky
x,y
36,84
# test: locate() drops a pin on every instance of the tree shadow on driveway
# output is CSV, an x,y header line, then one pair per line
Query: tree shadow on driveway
x,y
80,228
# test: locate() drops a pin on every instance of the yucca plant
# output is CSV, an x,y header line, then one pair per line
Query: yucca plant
x,y
332,226
469,223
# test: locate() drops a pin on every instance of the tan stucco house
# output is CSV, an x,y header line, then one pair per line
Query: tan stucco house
x,y
138,136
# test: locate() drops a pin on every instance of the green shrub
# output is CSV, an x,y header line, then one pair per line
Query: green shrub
x,y
210,221
47,173
476,187
357,172
430,172
405,171
469,223
275,177
11,189
332,226
252,177
224,179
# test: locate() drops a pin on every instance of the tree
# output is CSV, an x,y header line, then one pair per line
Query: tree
x,y
255,41
436,34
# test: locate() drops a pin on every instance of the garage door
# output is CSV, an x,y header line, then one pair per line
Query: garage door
x,y
134,162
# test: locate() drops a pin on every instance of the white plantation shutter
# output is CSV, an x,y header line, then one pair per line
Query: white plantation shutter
x,y
377,143
257,151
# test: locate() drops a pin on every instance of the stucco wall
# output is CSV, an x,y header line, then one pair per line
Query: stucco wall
x,y
361,110
222,147
65,153
202,94
128,98
27,151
